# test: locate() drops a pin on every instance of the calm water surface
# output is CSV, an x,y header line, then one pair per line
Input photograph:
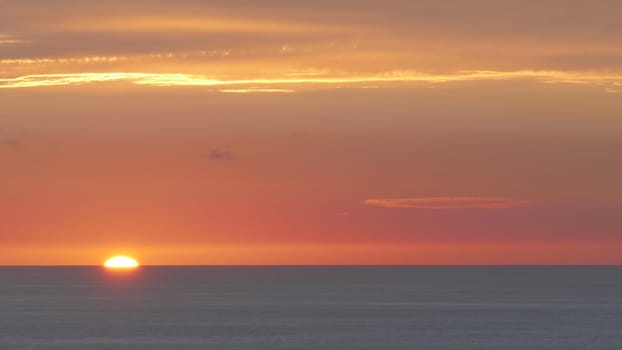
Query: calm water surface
x,y
311,308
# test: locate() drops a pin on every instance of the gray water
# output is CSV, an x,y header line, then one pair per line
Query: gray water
x,y
311,308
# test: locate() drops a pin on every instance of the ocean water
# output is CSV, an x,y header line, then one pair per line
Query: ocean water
x,y
311,308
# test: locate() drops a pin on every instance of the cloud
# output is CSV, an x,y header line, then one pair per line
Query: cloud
x,y
256,90
268,84
12,143
190,23
443,203
281,46
9,40
356,37
217,154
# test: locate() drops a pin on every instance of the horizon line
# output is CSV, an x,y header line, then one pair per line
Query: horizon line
x,y
325,265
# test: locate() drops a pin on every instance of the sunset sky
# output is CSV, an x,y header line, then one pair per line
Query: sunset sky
x,y
311,132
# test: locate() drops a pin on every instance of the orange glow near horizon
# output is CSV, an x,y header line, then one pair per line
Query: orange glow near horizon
x,y
313,254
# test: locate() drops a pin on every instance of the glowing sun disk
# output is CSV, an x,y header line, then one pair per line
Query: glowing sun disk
x,y
121,262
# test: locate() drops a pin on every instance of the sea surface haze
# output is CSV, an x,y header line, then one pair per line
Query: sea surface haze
x,y
311,308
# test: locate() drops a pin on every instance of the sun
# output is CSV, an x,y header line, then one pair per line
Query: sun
x,y
121,262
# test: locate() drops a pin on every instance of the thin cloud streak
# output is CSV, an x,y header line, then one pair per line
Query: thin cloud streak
x,y
217,154
256,90
10,40
167,23
178,79
444,203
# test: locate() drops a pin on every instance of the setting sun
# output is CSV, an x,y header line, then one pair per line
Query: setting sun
x,y
121,262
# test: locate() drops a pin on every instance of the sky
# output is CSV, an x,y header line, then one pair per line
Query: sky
x,y
311,132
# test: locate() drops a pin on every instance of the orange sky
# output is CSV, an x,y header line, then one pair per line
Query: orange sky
x,y
314,132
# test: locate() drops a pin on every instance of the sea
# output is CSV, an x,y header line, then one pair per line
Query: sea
x,y
323,307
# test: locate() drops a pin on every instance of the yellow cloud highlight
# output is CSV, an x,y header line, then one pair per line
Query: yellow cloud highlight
x,y
255,90
301,82
443,203
41,80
